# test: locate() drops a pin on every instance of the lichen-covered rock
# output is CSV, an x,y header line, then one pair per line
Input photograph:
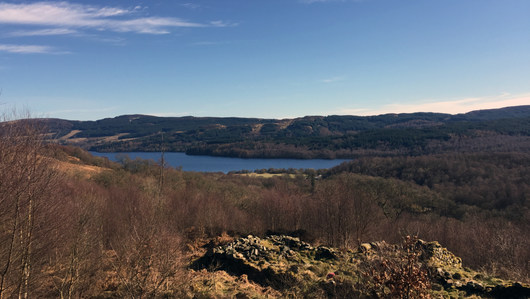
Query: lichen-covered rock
x,y
274,260
437,256
365,247
290,265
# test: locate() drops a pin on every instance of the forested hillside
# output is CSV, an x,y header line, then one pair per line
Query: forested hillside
x,y
489,181
506,129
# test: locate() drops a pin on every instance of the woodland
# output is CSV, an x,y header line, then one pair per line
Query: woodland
x,y
307,137
77,226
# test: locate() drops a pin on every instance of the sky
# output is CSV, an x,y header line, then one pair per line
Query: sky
x,y
87,60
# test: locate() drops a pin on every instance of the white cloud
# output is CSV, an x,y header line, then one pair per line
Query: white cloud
x,y
152,25
65,16
44,32
445,106
29,49
222,24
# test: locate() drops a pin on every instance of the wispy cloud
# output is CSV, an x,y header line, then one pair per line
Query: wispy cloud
x,y
220,23
192,6
29,49
446,106
69,16
333,79
44,32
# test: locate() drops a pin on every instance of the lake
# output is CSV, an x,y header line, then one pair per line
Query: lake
x,y
224,164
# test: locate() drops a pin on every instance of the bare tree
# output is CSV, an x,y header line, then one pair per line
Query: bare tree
x,y
144,254
346,211
26,178
77,252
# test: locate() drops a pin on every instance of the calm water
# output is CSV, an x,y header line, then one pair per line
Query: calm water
x,y
223,164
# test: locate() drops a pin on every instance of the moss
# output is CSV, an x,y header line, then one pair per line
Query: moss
x,y
298,270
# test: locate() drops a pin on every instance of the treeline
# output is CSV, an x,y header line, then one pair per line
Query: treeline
x,y
388,143
307,137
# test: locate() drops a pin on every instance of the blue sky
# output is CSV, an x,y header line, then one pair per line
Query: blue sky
x,y
263,58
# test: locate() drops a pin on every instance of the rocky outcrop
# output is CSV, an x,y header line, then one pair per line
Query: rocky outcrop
x,y
436,256
275,261
286,263
449,276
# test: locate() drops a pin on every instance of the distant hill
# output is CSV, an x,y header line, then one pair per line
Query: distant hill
x,y
492,114
504,129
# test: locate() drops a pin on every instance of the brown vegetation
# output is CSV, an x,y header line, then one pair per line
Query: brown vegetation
x,y
27,182
127,230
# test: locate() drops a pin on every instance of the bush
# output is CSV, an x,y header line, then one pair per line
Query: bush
x,y
398,273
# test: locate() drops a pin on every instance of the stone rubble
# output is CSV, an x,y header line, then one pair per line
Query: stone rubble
x,y
282,261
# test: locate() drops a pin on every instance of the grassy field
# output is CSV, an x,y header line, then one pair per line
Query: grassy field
x,y
267,175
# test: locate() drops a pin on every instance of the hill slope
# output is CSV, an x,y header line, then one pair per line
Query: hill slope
x,y
306,137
